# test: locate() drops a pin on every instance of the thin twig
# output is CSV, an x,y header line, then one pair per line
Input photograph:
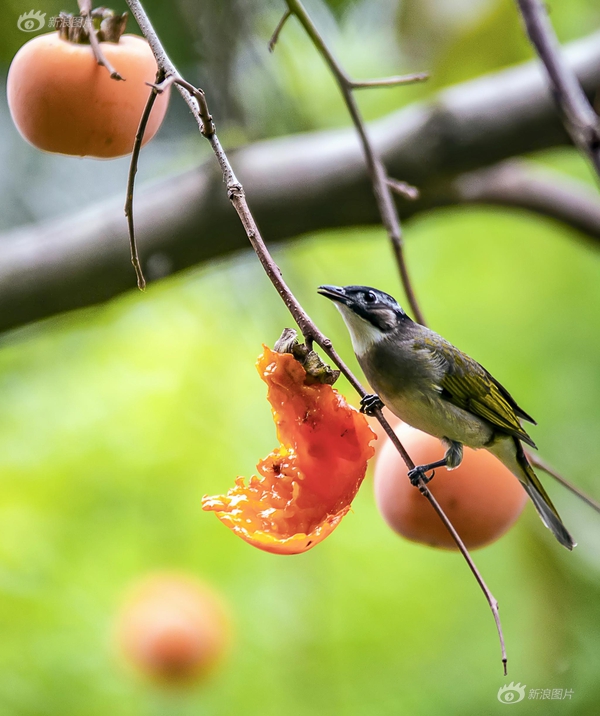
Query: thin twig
x,y
277,31
537,461
133,167
308,328
390,81
404,189
85,8
580,119
377,172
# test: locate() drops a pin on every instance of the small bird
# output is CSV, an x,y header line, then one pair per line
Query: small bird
x,y
429,384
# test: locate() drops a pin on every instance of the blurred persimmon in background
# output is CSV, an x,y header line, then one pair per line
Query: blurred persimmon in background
x,y
173,627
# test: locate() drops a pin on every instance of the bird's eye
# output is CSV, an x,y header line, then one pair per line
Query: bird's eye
x,y
370,297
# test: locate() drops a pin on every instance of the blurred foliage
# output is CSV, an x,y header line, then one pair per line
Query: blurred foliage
x,y
114,421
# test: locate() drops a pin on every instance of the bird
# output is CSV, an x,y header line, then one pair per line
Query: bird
x,y
433,386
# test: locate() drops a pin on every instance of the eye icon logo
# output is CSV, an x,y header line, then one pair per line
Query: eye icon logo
x,y
511,694
31,21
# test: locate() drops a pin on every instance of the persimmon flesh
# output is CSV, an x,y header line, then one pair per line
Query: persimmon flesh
x,y
305,486
62,101
481,497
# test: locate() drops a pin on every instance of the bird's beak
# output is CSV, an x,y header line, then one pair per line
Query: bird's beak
x,y
335,293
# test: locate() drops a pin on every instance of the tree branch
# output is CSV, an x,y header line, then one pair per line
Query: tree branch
x,y
133,166
377,171
581,120
524,185
390,81
85,8
277,31
297,185
537,461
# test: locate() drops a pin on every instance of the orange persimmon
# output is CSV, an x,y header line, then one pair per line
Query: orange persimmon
x,y
62,101
173,627
481,497
307,484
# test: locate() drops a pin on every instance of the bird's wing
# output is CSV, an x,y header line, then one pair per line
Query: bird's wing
x,y
469,386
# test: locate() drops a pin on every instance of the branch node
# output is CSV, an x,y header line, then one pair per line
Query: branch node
x,y
234,191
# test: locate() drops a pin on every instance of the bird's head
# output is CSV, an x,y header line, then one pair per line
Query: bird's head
x,y
371,315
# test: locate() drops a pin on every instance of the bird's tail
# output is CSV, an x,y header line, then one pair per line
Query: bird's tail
x,y
539,497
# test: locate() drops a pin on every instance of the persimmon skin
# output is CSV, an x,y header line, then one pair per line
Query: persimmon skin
x,y
173,628
481,497
62,101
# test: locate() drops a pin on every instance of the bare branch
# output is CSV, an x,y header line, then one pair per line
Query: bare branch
x,y
133,166
85,8
390,81
377,172
275,36
537,461
581,120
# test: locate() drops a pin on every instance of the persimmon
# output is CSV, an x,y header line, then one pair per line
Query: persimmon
x,y
62,101
306,485
481,497
173,627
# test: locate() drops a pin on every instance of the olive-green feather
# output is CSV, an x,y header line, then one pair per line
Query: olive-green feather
x,y
469,386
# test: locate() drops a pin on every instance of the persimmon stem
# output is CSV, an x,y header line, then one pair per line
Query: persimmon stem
x,y
85,8
309,329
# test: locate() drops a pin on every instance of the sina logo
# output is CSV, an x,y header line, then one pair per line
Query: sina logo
x,y
31,21
511,694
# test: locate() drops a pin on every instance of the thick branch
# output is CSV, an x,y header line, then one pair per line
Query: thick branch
x,y
296,185
523,185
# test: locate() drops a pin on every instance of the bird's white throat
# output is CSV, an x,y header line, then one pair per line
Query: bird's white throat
x,y
364,335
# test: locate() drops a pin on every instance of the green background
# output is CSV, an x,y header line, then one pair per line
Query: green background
x,y
114,421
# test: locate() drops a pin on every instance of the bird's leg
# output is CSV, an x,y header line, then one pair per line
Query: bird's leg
x,y
454,453
451,459
370,403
